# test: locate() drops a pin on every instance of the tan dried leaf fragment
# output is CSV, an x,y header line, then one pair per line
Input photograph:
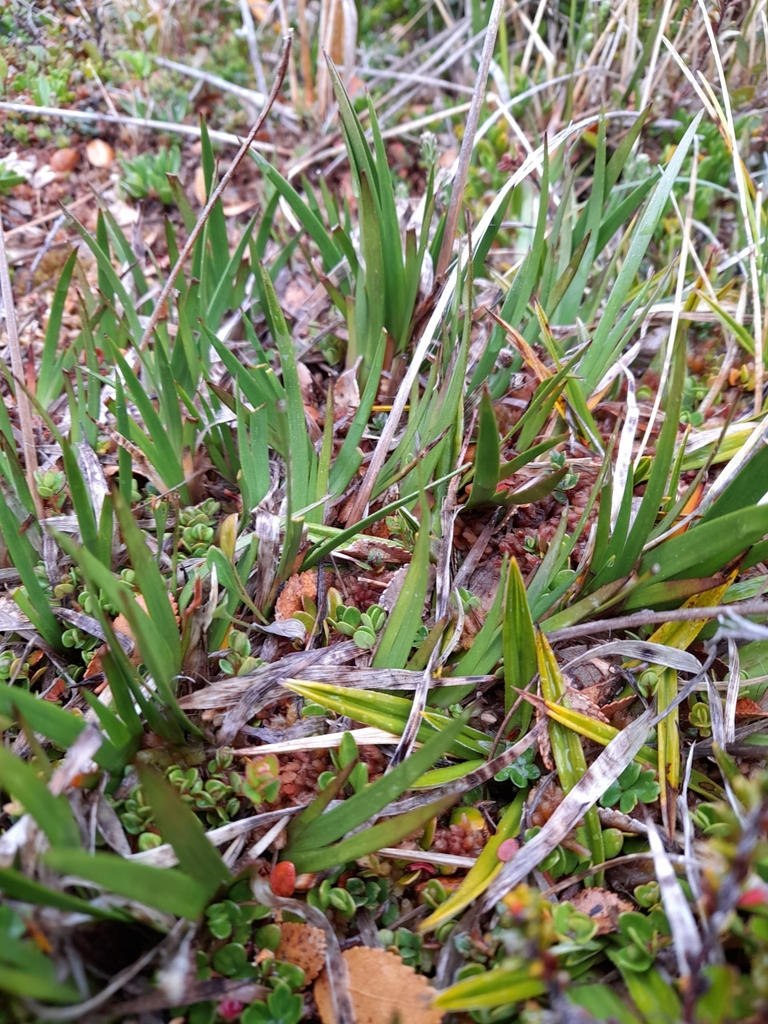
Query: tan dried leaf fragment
x,y
304,946
603,906
198,186
346,395
383,989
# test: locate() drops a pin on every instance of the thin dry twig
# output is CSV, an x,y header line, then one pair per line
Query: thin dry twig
x,y
137,122
216,195
647,618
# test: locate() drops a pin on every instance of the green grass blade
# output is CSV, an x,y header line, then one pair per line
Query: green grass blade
x,y
330,253
52,813
298,825
60,726
17,886
519,639
34,984
181,827
490,989
375,283
589,224
487,455
81,501
485,869
657,482
253,451
567,750
162,888
152,585
705,549
404,620
105,267
623,150
623,211
486,649
385,711
519,295
49,382
301,452
156,444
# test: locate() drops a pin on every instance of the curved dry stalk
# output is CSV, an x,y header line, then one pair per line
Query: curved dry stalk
x,y
216,194
344,1011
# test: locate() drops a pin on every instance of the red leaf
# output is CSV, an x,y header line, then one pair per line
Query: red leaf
x,y
753,898
282,878
507,849
230,1009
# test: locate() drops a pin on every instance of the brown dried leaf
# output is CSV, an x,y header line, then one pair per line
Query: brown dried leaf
x,y
383,989
365,548
235,209
596,672
294,296
579,701
64,160
122,625
746,708
94,666
619,708
604,691
295,590
99,153
302,945
603,906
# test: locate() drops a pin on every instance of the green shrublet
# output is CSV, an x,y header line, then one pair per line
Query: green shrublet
x,y
144,177
633,786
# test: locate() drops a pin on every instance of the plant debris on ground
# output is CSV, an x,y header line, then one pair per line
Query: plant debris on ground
x,y
383,522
